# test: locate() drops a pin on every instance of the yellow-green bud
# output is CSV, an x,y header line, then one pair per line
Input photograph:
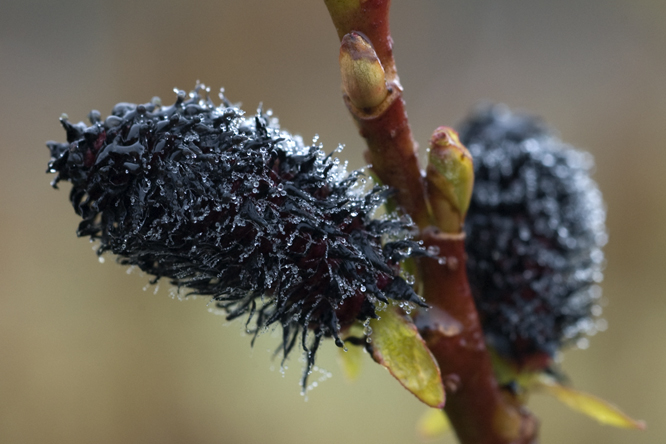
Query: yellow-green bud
x,y
363,77
450,179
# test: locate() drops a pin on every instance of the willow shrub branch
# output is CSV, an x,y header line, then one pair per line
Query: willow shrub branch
x,y
373,96
478,409
231,206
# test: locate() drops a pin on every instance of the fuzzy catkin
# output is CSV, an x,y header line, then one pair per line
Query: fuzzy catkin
x,y
535,229
235,208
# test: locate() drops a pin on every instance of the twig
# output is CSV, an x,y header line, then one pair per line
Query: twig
x,y
480,411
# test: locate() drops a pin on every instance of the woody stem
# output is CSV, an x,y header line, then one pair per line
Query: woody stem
x,y
392,151
479,410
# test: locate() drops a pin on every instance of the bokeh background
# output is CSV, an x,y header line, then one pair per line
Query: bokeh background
x,y
87,356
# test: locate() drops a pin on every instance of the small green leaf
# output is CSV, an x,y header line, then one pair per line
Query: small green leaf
x,y
397,345
590,405
433,424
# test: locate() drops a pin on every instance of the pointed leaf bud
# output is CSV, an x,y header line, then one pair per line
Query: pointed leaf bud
x,y
450,178
363,77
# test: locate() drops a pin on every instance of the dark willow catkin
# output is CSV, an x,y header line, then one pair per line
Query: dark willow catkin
x,y
535,229
233,207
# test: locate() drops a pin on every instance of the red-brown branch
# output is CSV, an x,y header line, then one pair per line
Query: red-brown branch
x,y
392,152
480,412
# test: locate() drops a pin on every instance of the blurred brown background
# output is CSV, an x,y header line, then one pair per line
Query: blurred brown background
x,y
86,356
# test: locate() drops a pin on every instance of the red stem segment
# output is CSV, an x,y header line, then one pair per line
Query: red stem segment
x,y
392,152
480,412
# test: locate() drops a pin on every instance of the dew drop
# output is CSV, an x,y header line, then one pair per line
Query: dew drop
x,y
583,343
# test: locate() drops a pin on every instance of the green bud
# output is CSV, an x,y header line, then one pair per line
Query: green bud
x,y
363,77
450,179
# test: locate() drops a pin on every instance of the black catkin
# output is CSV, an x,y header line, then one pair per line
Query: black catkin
x,y
235,208
535,229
